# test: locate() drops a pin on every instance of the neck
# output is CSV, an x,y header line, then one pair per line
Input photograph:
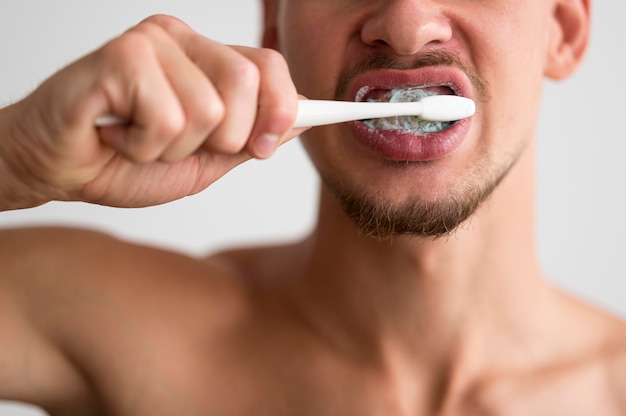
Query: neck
x,y
428,300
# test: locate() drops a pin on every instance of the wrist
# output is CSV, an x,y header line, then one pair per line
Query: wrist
x,y
15,191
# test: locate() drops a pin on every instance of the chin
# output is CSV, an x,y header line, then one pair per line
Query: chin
x,y
396,205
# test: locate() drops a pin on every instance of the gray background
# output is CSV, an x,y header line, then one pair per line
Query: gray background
x,y
581,192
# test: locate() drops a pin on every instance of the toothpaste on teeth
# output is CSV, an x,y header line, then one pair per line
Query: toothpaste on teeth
x,y
411,124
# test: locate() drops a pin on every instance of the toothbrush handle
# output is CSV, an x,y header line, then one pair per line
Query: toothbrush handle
x,y
321,112
433,108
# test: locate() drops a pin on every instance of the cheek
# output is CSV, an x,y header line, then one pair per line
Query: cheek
x,y
510,50
313,46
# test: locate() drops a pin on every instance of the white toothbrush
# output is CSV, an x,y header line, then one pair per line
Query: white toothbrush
x,y
321,112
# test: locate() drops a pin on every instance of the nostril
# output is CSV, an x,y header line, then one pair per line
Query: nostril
x,y
406,27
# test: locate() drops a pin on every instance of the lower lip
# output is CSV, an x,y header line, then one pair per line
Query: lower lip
x,y
399,145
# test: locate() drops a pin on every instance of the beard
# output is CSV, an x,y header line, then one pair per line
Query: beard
x,y
383,218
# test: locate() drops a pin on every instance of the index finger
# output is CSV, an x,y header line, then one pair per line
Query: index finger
x,y
278,101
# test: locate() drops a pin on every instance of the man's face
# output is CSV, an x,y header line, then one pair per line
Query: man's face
x,y
407,182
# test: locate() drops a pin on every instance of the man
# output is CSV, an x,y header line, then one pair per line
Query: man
x,y
419,291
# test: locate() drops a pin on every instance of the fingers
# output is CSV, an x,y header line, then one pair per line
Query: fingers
x,y
237,81
255,85
171,105
201,107
139,90
194,93
277,103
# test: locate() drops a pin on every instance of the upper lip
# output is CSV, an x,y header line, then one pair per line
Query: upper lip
x,y
388,79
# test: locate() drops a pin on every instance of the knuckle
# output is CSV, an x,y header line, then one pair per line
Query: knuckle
x,y
161,29
166,22
245,74
129,52
214,113
225,143
282,114
271,58
206,114
128,45
170,125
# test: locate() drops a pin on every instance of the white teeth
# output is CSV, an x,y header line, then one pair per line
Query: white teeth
x,y
407,95
409,124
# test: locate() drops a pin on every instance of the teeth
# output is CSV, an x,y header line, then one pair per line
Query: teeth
x,y
410,124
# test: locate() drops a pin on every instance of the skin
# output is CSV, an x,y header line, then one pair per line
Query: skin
x,y
340,323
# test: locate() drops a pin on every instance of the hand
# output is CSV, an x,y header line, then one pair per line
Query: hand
x,y
196,109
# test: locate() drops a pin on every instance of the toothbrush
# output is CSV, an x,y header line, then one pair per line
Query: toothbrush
x,y
321,112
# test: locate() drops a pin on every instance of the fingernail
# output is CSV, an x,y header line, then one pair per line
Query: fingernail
x,y
265,144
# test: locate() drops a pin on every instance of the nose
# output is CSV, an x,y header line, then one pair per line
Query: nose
x,y
406,26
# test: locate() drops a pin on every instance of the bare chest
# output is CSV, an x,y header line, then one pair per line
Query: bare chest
x,y
284,385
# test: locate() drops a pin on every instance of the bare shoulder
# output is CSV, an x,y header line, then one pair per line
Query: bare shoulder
x,y
594,380
29,241
607,356
63,291
615,364
72,257
257,265
66,251
585,374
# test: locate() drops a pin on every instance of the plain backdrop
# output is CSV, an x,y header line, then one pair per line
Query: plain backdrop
x,y
581,170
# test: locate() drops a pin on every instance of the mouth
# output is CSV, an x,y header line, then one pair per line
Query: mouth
x,y
410,138
405,124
